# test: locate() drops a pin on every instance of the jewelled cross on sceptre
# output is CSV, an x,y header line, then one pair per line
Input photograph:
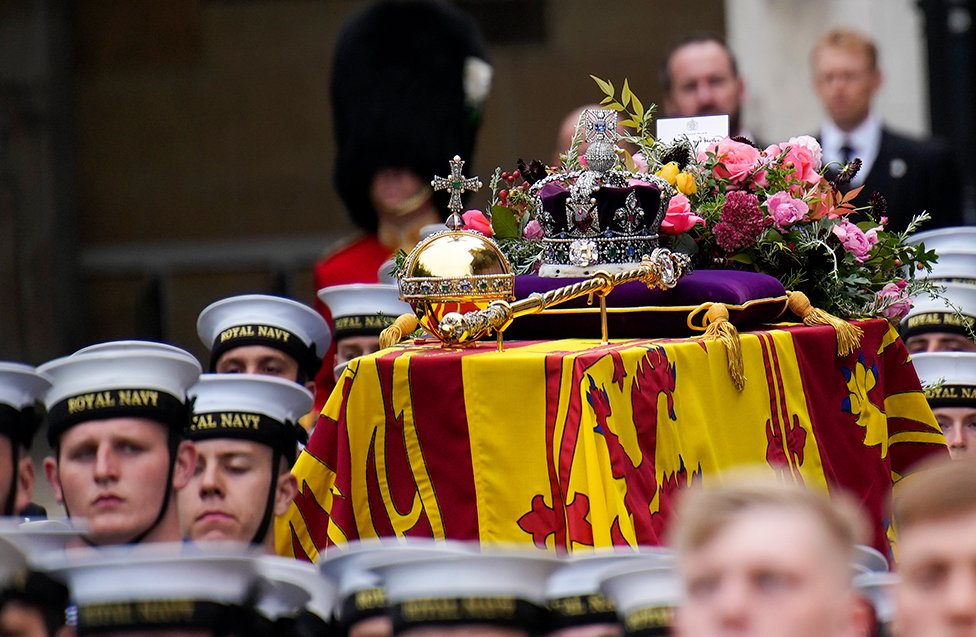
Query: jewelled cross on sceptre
x,y
456,184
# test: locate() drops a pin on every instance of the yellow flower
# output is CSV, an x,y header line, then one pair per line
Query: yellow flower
x,y
685,183
668,172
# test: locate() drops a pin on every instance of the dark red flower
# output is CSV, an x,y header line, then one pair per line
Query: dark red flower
x,y
740,223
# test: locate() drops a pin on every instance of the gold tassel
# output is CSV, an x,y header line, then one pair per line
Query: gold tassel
x,y
403,326
719,328
848,334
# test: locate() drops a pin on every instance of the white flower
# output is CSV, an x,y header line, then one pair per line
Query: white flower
x,y
477,81
812,145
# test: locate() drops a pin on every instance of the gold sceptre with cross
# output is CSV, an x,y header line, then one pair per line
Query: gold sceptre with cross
x,y
661,269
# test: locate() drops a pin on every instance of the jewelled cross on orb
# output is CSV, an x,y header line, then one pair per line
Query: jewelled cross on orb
x,y
456,184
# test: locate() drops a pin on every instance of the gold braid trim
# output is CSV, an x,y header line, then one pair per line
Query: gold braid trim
x,y
848,334
403,326
719,328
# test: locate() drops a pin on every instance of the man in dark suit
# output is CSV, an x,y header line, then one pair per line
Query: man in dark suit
x,y
912,175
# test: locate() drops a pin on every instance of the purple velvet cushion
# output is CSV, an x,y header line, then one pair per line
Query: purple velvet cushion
x,y
637,312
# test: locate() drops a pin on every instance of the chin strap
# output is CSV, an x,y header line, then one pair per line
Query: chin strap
x,y
262,531
8,505
174,445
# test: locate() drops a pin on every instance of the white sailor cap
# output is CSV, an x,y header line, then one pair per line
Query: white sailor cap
x,y
949,378
130,345
37,538
957,266
868,559
457,583
261,319
645,595
878,588
136,383
157,585
262,409
951,311
21,386
319,591
957,238
360,590
360,309
386,274
573,591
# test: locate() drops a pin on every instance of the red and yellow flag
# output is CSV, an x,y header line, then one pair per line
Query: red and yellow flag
x,y
573,444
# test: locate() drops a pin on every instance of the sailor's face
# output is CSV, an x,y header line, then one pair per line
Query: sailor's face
x,y
257,359
959,428
939,342
228,493
113,473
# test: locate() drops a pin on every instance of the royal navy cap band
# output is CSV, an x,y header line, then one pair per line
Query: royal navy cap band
x,y
938,322
649,622
362,325
363,604
951,395
281,436
269,336
137,615
581,610
133,402
452,611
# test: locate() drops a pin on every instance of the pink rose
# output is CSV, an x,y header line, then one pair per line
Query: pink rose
x,y
893,300
477,221
856,241
810,144
736,161
786,210
640,163
803,160
679,217
532,230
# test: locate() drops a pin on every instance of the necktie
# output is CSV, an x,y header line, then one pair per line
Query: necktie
x,y
846,152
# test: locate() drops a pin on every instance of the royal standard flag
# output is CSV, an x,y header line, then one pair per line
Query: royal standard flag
x,y
574,444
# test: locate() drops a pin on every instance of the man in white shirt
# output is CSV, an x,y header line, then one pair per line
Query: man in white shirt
x,y
912,175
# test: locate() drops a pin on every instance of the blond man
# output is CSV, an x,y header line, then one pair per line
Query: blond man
x,y
760,557
935,514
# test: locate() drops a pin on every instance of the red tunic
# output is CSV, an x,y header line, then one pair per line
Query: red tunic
x,y
356,262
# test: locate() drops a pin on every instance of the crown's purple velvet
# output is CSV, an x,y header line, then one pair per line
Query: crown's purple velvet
x,y
732,287
609,199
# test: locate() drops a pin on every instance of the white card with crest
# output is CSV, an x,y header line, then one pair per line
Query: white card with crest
x,y
700,131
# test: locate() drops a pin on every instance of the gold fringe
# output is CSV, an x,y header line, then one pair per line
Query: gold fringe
x,y
404,325
719,328
848,334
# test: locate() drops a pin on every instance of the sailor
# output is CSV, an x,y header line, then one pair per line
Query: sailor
x,y
446,589
115,423
942,322
127,591
267,335
949,379
577,606
246,433
645,593
21,392
360,311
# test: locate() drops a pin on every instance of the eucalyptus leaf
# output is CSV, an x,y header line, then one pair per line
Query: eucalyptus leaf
x,y
604,85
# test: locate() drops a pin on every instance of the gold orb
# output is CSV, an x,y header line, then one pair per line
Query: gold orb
x,y
454,271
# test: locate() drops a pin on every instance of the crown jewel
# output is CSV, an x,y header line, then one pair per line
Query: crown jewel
x,y
600,217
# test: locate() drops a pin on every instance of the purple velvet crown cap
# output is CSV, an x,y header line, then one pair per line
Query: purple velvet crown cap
x,y
610,200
